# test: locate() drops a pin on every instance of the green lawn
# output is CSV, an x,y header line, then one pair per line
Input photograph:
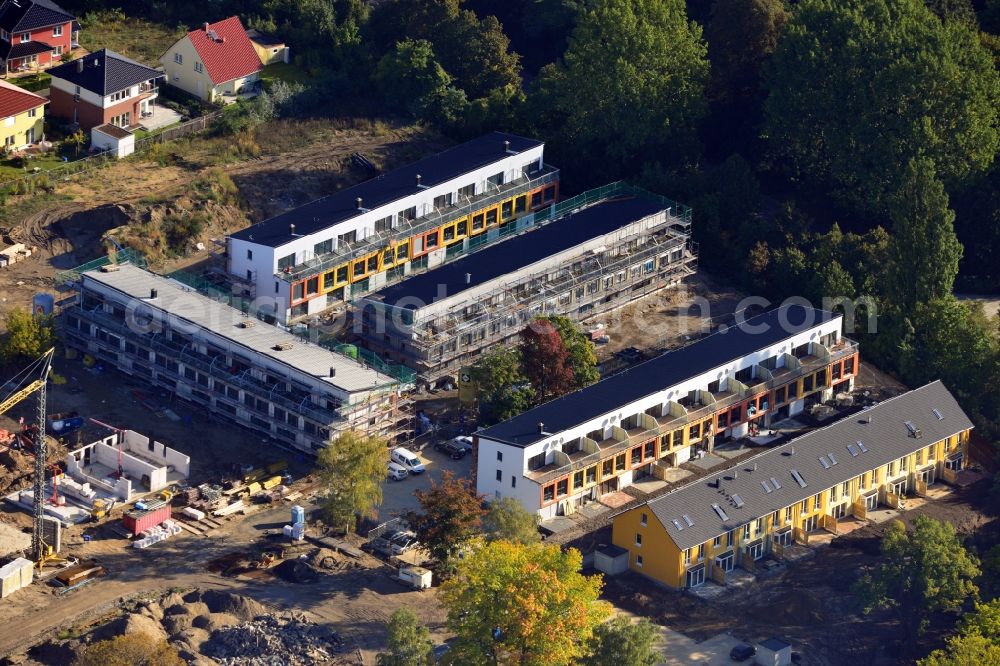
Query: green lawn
x,y
42,162
286,72
135,38
32,82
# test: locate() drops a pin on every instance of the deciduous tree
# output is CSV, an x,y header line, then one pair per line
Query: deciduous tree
x,y
742,35
352,469
921,573
512,604
408,642
581,356
621,641
858,88
450,516
545,361
412,75
503,390
27,337
506,519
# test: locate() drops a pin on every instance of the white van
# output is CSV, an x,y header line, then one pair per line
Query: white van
x,y
397,472
407,459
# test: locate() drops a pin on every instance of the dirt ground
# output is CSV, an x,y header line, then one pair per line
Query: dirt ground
x,y
810,603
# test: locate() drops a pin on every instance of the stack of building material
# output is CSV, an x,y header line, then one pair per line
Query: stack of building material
x,y
165,530
193,513
15,575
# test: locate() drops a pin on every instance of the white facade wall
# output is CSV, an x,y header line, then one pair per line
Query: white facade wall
x,y
87,96
529,493
263,264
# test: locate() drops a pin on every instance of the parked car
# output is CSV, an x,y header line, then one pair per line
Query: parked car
x,y
407,459
449,447
464,441
742,652
403,542
397,472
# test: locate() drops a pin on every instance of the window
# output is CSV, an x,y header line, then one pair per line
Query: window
x,y
717,541
760,525
687,556
638,539
276,287
578,480
638,561
729,538
57,31
286,262
892,469
323,248
408,214
548,493
746,531
123,120
495,181
499,475
817,500
833,494
198,67
25,37
250,255
499,456
642,519
562,487
701,551
178,58
32,113
788,514
121,94
513,481
442,201
384,224
845,489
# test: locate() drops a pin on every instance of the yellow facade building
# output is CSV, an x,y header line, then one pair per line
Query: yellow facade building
x,y
22,117
767,503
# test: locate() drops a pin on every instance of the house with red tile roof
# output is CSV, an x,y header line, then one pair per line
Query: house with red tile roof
x,y
22,117
216,62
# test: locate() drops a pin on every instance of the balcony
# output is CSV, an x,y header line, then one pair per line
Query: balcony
x,y
380,240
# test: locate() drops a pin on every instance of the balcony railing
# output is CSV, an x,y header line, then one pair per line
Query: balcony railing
x,y
418,226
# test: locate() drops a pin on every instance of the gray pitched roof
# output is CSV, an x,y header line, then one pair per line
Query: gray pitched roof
x,y
882,429
27,15
105,72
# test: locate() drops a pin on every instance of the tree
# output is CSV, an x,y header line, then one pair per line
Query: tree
x,y
924,251
451,514
621,641
742,35
77,139
921,573
411,73
408,642
27,337
580,350
503,390
544,360
136,649
954,10
478,53
508,520
351,470
964,651
509,603
629,88
858,88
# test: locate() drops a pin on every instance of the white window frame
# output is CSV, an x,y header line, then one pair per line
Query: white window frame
x,y
25,37
32,113
57,31
198,67
178,58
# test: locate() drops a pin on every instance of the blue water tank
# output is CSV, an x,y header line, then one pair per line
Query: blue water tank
x,y
43,304
298,515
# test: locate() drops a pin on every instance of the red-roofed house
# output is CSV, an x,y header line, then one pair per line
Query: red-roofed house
x,y
217,62
22,115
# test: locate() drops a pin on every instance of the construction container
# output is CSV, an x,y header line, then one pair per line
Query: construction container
x,y
416,577
137,521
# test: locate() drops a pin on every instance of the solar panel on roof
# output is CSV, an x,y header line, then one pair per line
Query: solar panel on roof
x,y
677,525
853,450
798,478
718,510
767,486
861,445
774,482
938,415
687,519
824,462
738,500
833,461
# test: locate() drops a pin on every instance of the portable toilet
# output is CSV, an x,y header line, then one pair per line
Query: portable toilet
x,y
298,515
43,304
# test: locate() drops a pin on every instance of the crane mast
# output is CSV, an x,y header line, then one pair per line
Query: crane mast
x,y
38,501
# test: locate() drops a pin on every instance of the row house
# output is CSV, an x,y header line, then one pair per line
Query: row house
x,y
102,88
350,243
768,503
22,114
34,34
612,245
297,394
570,451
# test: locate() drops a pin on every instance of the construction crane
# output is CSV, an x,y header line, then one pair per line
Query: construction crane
x,y
39,549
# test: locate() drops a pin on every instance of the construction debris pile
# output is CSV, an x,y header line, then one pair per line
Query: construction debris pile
x,y
273,641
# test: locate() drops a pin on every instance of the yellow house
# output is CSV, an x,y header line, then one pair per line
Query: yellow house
x,y
776,499
216,63
23,117
269,48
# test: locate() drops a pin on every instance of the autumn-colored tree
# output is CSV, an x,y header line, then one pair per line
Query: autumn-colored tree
x,y
529,605
545,360
136,649
352,469
450,516
582,357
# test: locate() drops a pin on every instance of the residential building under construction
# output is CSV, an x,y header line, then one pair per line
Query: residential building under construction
x,y
580,258
300,394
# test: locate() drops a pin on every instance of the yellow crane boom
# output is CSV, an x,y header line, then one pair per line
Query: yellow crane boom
x,y
20,395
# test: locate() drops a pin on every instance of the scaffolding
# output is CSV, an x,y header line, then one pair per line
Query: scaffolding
x,y
630,265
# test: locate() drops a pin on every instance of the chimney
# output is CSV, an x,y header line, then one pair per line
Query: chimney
x,y
359,201
418,180
333,371
79,65
152,293
205,26
506,146
291,229
468,278
222,39
792,450
541,428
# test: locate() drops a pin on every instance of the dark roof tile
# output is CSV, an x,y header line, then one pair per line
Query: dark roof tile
x,y
105,72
